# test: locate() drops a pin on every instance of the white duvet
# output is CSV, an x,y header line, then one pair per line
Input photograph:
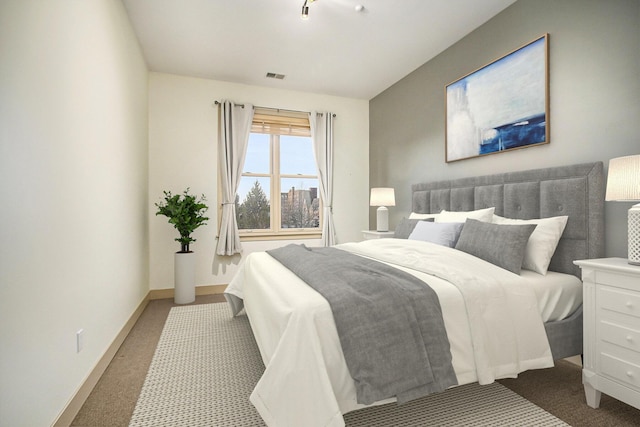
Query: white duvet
x,y
491,317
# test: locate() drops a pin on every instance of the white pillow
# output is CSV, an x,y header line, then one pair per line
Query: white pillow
x,y
542,242
481,215
441,233
414,215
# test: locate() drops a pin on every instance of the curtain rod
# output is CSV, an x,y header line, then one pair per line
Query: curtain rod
x,y
271,108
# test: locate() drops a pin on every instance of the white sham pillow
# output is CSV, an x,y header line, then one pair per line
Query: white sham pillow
x,y
414,215
441,233
542,242
485,215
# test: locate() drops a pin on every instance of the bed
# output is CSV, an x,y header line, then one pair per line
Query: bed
x,y
306,379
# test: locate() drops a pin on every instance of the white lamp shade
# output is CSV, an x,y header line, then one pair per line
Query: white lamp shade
x,y
382,197
623,179
623,184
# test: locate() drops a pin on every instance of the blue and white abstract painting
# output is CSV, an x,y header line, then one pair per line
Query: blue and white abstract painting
x,y
501,106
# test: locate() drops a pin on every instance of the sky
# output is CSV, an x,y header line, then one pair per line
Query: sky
x,y
296,157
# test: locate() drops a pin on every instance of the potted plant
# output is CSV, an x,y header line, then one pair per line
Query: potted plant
x,y
186,213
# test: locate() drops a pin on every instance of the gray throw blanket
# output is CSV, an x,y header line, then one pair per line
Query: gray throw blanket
x,y
389,322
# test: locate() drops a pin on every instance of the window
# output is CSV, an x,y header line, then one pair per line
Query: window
x,y
278,191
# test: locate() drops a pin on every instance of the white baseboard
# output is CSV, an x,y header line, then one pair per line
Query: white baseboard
x,y
576,360
200,290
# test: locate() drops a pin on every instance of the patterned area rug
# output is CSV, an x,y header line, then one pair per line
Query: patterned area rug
x,y
207,363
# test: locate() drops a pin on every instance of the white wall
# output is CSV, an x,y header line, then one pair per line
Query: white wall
x,y
73,186
594,61
183,136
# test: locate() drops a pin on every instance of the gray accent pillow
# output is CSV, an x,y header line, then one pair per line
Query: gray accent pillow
x,y
440,233
501,245
406,226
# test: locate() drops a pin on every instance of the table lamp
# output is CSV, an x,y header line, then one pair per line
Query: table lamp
x,y
382,197
623,184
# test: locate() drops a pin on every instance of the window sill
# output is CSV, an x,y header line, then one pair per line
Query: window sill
x,y
254,237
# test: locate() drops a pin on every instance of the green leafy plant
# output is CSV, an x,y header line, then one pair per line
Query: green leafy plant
x,y
185,212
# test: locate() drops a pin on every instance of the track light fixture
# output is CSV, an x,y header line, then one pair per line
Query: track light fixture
x,y
305,9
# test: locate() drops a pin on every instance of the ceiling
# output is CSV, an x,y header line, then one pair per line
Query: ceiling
x,y
337,51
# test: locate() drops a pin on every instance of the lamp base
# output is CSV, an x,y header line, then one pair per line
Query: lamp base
x,y
382,219
634,234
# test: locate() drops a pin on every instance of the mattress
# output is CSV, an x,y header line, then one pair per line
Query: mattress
x,y
559,295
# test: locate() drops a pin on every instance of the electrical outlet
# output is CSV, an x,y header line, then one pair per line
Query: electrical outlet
x,y
79,340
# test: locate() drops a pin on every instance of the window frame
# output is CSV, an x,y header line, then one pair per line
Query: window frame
x,y
276,232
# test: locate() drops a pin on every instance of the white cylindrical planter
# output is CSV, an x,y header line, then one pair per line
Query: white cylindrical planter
x,y
185,277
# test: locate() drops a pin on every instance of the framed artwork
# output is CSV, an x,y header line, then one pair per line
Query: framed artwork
x,y
502,106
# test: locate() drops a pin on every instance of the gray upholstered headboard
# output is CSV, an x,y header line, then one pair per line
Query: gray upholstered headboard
x,y
576,191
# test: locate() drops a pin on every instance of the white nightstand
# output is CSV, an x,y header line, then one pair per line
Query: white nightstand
x,y
373,234
611,304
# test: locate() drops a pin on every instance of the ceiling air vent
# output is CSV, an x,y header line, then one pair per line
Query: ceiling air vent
x,y
275,76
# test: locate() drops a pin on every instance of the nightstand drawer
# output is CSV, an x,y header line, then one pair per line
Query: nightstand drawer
x,y
620,370
619,335
620,301
618,280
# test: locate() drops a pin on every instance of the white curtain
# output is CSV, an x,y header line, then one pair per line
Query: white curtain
x,y
235,126
322,137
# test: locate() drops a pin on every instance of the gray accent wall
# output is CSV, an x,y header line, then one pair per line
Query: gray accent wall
x,y
594,73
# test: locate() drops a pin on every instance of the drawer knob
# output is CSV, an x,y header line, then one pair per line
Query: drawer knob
x,y
629,338
630,374
629,304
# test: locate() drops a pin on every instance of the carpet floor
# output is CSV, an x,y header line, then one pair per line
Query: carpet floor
x,y
557,390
